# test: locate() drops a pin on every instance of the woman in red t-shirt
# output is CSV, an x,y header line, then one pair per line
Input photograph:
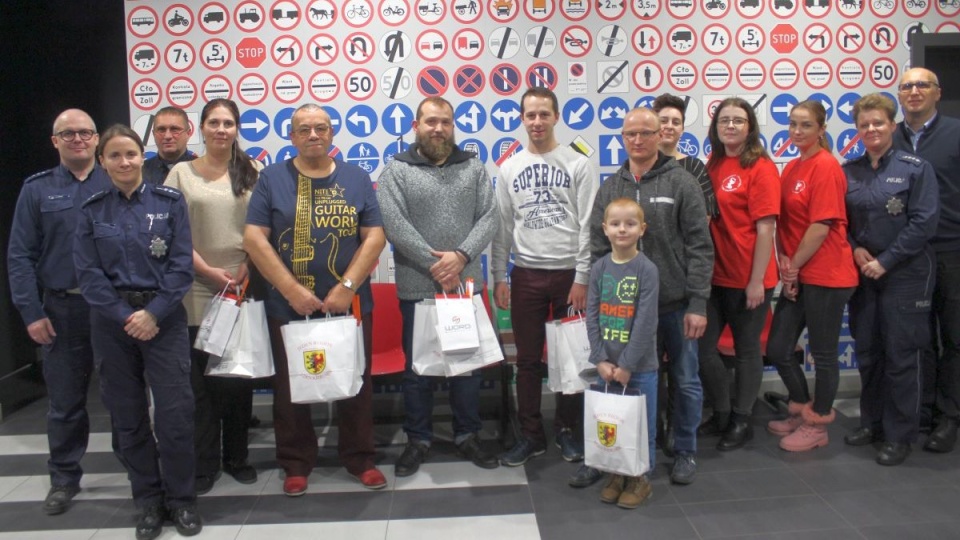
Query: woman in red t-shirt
x,y
747,188
818,275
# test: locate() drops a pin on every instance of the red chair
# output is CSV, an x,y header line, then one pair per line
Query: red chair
x,y
387,330
725,344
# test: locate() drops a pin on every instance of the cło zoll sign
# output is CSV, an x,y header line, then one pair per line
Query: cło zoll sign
x,y
251,52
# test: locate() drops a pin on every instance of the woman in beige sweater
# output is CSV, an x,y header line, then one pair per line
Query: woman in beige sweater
x,y
217,188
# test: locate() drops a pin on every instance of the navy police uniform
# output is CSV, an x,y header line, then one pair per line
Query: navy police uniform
x,y
134,254
893,212
44,285
156,169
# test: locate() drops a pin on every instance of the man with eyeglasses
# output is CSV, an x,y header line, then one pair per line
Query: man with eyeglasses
x,y
171,133
678,241
936,138
314,231
44,289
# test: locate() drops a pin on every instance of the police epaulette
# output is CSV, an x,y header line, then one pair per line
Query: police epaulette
x,y
95,197
33,177
909,158
166,191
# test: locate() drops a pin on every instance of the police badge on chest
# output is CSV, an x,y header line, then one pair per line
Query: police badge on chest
x,y
894,206
158,247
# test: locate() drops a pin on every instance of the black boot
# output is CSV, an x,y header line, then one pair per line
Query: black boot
x,y
737,434
944,437
715,425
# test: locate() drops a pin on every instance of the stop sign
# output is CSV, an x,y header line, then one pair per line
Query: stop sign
x,y
251,52
784,38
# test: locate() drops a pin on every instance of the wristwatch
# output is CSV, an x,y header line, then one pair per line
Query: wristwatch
x,y
348,283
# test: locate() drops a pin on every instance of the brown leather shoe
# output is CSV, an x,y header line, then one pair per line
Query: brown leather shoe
x,y
611,492
635,492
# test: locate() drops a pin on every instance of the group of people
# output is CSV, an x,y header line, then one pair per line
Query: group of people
x,y
662,257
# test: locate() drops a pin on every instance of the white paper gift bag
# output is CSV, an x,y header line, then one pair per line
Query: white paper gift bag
x,y
248,354
615,431
325,358
457,323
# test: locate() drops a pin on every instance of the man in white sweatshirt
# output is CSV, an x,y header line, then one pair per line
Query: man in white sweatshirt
x,y
545,194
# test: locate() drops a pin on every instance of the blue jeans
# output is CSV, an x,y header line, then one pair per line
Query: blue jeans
x,y
418,393
683,366
646,383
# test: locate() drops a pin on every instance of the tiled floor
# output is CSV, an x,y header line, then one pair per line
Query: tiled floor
x,y
836,492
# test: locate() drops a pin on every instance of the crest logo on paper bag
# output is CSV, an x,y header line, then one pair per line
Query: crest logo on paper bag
x,y
315,361
607,433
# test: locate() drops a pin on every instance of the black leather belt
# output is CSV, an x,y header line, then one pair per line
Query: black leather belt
x,y
138,299
61,293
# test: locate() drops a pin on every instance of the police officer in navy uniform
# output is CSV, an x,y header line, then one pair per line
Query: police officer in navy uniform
x,y
892,206
44,290
134,259
171,133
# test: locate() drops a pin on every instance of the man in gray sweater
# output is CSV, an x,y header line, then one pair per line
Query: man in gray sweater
x,y
439,212
678,241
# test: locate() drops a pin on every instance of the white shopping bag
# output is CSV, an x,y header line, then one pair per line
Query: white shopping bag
x,y
615,431
427,358
219,318
248,354
487,353
430,359
325,358
568,354
457,323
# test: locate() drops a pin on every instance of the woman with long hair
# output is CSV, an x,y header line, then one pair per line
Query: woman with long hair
x,y
217,187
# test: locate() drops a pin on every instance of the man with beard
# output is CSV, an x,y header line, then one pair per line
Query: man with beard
x,y
171,133
439,213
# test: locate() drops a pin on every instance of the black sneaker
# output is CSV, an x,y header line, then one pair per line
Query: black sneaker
x,y
684,469
411,458
570,450
187,520
241,472
58,499
521,452
585,477
470,448
150,524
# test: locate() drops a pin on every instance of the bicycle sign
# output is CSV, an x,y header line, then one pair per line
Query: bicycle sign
x,y
357,13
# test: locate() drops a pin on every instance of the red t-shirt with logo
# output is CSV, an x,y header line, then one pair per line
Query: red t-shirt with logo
x,y
813,191
743,196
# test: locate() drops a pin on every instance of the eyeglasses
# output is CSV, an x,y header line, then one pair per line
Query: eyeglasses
x,y
642,135
305,131
736,121
908,87
176,131
68,135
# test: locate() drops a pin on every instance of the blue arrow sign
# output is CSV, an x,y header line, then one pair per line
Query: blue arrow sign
x,y
845,107
612,152
475,146
254,125
825,101
361,120
365,156
281,123
780,108
645,101
393,149
470,116
611,112
335,122
505,115
578,113
397,119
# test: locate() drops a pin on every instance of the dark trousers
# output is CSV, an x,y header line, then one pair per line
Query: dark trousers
x,y
418,393
941,369
889,319
162,469
296,440
537,296
728,306
223,406
67,366
820,310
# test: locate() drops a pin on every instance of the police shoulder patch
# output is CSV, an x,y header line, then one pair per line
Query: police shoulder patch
x,y
166,191
93,198
909,158
39,175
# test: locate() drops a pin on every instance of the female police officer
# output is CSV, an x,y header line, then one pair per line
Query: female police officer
x,y
134,259
892,206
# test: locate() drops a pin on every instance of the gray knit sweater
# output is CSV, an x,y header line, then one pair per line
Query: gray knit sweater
x,y
425,206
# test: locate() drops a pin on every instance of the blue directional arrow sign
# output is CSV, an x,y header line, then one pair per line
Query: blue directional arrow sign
x,y
365,156
783,147
397,119
281,123
780,108
611,151
846,146
645,101
254,125
688,144
475,146
611,112
287,152
393,149
845,107
825,101
260,155
335,122
470,116
578,113
505,115
361,120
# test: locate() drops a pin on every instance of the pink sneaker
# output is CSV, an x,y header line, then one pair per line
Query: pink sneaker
x,y
811,434
788,425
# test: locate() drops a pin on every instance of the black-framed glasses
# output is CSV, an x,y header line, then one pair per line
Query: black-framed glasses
x,y
68,135
919,85
176,131
737,122
305,131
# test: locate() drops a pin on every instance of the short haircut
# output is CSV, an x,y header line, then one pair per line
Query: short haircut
x,y
305,108
539,91
670,101
623,202
115,131
436,101
875,102
174,111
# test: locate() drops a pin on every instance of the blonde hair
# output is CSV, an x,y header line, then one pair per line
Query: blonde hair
x,y
624,202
